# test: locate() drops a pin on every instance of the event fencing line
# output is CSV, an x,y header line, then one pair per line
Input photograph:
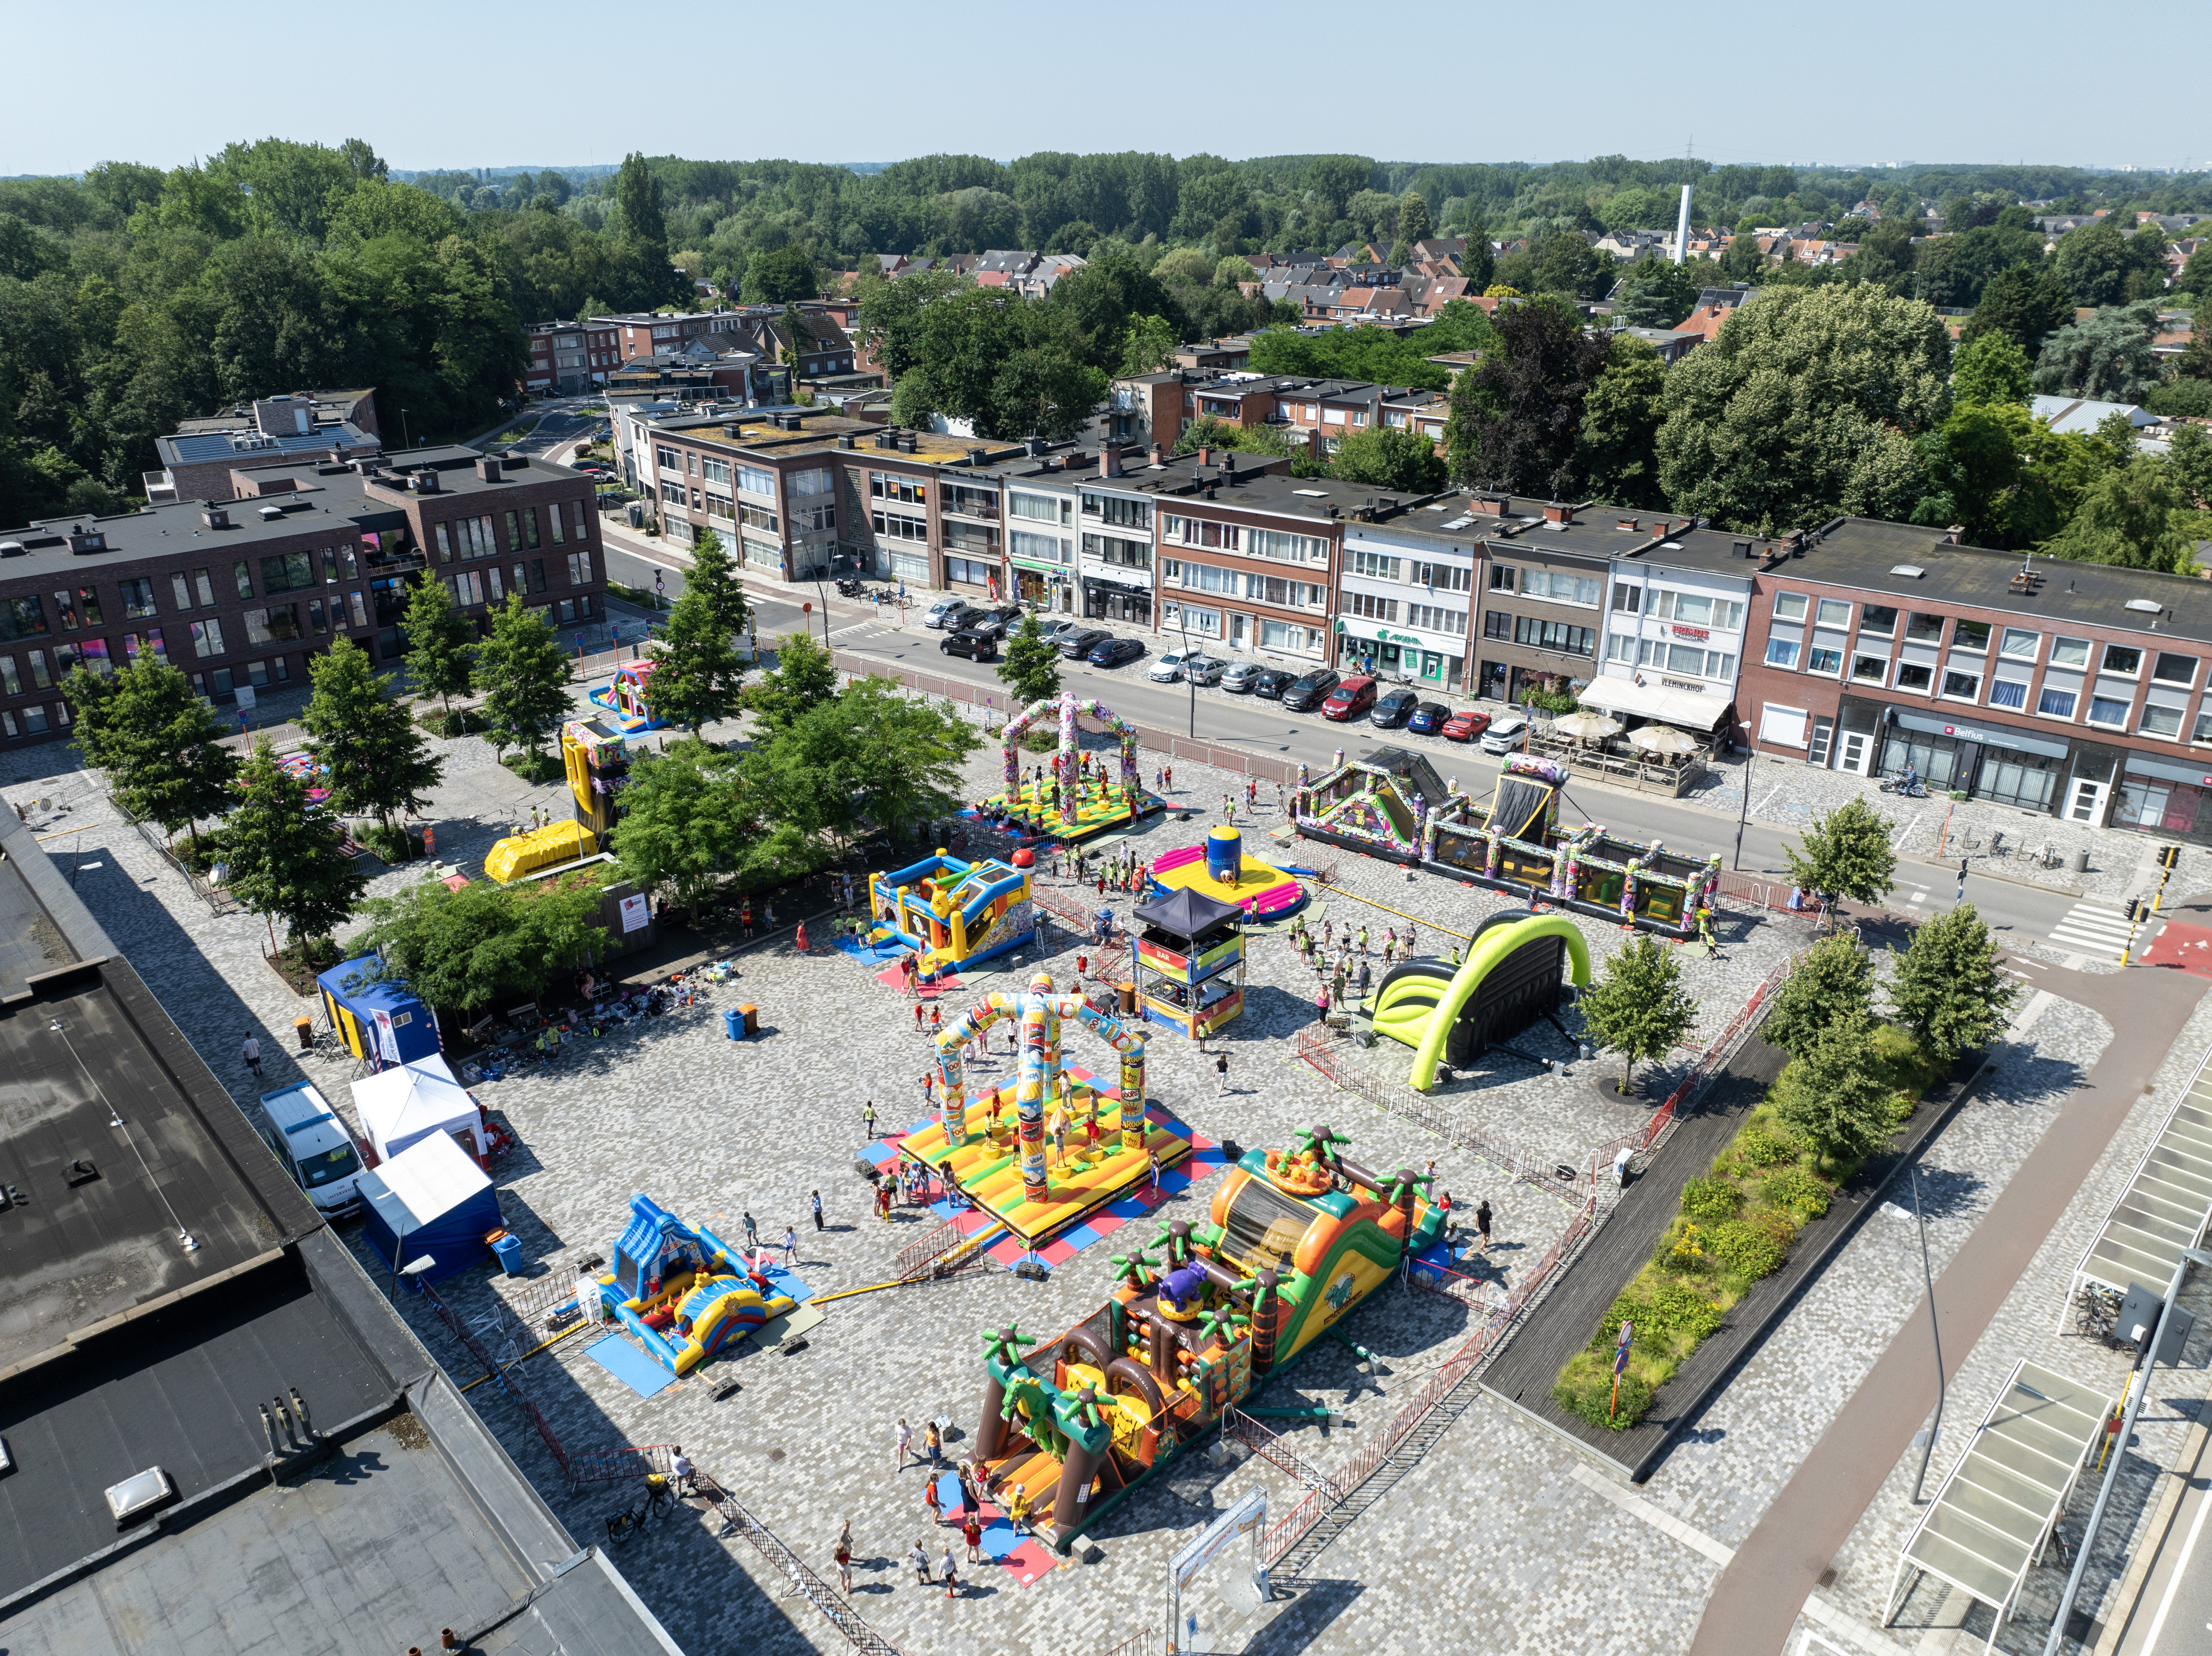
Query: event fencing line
x,y
1275,1450
507,1381
735,1521
619,1465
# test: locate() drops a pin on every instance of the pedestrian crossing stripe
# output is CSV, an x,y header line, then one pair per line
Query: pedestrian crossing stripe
x,y
2092,929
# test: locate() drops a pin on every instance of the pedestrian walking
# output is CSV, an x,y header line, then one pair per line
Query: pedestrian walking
x,y
951,1574
901,1440
971,1504
971,1531
816,1200
919,1558
927,1081
1482,1225
934,1443
868,1115
1320,1006
745,918
790,1247
681,1470
936,1018
1152,1168
1962,897
844,1557
251,1052
917,1015
1221,1074
752,1235
1169,774
1363,943
935,1502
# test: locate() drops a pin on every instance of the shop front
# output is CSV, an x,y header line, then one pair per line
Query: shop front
x,y
1995,762
1046,585
1115,595
1435,660
2159,797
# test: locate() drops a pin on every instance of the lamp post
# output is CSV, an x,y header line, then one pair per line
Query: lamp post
x,y
1183,624
403,437
1743,812
1934,1334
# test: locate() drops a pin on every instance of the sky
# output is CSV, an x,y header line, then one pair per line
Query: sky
x,y
562,84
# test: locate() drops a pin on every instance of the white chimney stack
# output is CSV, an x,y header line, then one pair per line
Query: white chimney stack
x,y
1682,228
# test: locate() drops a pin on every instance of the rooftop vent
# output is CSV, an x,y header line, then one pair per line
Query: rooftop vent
x,y
11,548
270,513
1743,548
1908,572
426,481
488,468
2145,606
139,1494
846,440
216,518
83,540
733,431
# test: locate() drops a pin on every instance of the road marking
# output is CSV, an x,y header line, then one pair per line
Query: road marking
x,y
2180,1574
1658,1517
2093,929
1919,896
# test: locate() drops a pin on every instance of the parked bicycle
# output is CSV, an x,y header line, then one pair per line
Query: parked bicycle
x,y
2098,1313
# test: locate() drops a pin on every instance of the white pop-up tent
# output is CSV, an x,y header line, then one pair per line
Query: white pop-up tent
x,y
406,1103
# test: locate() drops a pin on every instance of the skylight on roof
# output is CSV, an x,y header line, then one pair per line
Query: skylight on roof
x,y
1459,523
1317,493
1909,570
2147,606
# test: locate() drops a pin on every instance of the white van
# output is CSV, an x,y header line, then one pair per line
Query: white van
x,y
315,1149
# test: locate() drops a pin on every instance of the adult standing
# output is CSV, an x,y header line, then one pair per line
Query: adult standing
x,y
919,1558
901,1441
251,1052
816,1199
1482,1226
868,1115
1221,1074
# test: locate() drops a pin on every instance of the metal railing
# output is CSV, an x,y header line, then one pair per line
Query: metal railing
x,y
507,1381
218,900
1276,1450
620,1464
735,1521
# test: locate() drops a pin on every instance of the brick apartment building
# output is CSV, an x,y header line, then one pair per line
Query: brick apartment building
x,y
569,358
1248,560
241,591
2070,689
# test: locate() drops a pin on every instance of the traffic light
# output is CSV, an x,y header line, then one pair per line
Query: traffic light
x,y
2136,910
2169,858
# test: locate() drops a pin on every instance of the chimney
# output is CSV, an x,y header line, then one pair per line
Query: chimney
x,y
1659,532
426,480
216,518
1159,454
1109,460
488,468
1490,505
1630,524
1743,549
1554,512
1204,455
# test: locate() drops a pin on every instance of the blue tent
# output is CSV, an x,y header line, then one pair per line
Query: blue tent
x,y
376,1019
429,1199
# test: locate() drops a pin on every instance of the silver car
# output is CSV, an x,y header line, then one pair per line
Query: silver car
x,y
1239,677
1204,669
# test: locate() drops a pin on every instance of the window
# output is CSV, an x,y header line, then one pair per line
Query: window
x,y
287,572
2200,732
1441,577
137,597
758,517
1834,612
1553,635
553,523
180,589
714,470
1112,549
8,726
1962,686
2070,653
2008,693
1870,670
1562,588
1501,578
65,607
1790,606
278,624
537,574
2161,721
244,578
315,615
1280,545
890,526
204,585
886,486
1496,623
667,459
1782,652
2173,670
1435,618
1292,594
1625,599
1368,607
1970,636
674,494
1037,508
1784,725
1912,676
23,618
579,569
1287,635
2122,660
360,609
2018,646
2103,710
491,584
1374,566
1823,659
1685,659
207,638
11,682
1111,508
467,586
445,542
1924,628
514,524
529,528
1877,621
34,721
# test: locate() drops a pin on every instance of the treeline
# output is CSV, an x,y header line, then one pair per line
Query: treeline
x,y
131,299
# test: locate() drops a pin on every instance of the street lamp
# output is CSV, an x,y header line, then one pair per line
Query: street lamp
x,y
1927,1437
1744,813
1182,623
403,437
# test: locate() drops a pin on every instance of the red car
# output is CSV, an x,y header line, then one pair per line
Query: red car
x,y
1352,699
1466,726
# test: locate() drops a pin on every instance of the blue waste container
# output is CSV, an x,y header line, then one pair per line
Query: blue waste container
x,y
733,1023
509,1249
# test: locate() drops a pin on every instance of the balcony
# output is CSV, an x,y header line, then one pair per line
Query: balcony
x,y
985,508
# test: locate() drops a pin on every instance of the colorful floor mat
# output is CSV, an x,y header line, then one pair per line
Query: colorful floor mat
x,y
1012,1554
630,1365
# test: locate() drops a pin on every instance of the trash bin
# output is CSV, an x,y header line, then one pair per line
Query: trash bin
x,y
1129,998
751,1015
509,1250
303,1032
2081,859
733,1022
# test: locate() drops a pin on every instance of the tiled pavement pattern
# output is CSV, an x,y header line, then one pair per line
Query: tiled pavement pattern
x,y
1483,1535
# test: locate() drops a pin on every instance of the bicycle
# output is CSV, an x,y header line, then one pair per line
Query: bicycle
x,y
2098,1314
659,1495
622,1525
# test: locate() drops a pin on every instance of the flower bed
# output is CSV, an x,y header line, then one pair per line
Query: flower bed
x,y
1735,1225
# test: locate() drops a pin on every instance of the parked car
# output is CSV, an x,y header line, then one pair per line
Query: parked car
x,y
313,1147
1078,641
948,612
1394,709
1350,699
1306,692
971,641
1167,669
998,621
1242,677
1428,718
1272,682
1113,652
1057,627
1203,670
1505,733
1465,725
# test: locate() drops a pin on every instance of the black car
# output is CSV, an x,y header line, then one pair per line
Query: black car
x,y
1271,683
1309,690
1428,717
1113,652
1393,710
1080,641
999,621
972,642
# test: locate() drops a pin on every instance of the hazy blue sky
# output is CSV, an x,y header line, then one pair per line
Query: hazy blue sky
x,y
563,84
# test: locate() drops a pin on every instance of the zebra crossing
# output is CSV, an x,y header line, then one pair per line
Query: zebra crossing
x,y
2093,929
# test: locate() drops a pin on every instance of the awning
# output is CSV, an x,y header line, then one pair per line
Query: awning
x,y
1995,735
1624,695
1097,574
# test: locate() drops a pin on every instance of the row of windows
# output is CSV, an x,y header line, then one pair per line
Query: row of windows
x,y
1540,635
1686,660
1686,609
1245,584
2012,643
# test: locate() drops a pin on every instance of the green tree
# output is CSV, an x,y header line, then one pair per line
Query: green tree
x,y
2099,266
524,679
904,756
1618,440
698,677
1831,1095
1949,988
804,675
2106,357
1149,343
1044,392
684,822
2128,518
2027,305
464,949
1805,406
2189,463
1834,982
282,857
1846,854
160,744
779,276
1414,221
1992,369
1030,669
441,642
643,226
1515,417
378,762
1478,262
1657,293
1638,1007
1388,458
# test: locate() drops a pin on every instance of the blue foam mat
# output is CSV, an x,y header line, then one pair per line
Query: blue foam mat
x,y
630,1365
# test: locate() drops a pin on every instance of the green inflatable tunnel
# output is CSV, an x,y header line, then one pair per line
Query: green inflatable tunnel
x,y
1511,977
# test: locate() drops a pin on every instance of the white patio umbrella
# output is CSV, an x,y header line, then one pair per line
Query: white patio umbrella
x,y
1587,726
1662,738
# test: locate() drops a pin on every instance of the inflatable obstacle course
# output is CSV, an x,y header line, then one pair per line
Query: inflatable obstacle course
x,y
1296,1238
1514,974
